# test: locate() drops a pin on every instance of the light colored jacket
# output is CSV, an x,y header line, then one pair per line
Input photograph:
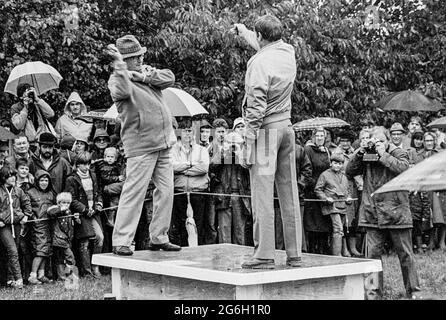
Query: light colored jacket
x,y
146,121
67,124
196,177
25,126
269,82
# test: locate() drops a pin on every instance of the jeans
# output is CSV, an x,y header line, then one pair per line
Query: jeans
x,y
402,242
11,244
232,222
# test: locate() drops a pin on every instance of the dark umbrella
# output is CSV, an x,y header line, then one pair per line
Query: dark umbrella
x,y
439,123
408,100
6,134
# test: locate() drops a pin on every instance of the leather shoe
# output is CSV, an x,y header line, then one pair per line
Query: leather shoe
x,y
255,263
122,251
163,246
294,262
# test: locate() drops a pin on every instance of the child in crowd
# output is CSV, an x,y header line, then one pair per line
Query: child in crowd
x,y
87,200
25,180
111,179
79,146
333,186
100,142
63,231
42,197
15,208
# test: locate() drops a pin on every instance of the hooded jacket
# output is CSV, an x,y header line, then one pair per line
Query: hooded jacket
x,y
41,200
21,205
67,124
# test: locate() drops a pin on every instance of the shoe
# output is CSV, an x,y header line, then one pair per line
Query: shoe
x,y
164,246
44,279
420,295
255,263
33,280
18,284
122,251
294,262
96,271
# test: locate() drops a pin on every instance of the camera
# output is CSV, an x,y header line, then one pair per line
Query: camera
x,y
370,154
32,95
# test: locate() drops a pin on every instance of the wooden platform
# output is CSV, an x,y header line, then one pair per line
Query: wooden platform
x,y
214,272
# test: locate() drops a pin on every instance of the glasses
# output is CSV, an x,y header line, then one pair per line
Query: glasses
x,y
396,134
101,140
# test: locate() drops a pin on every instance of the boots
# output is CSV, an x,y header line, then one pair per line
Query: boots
x,y
336,245
352,246
419,245
345,252
96,271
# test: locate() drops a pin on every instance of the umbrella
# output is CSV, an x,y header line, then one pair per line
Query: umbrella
x,y
181,103
111,113
408,100
428,175
439,123
93,114
191,227
325,122
6,134
41,76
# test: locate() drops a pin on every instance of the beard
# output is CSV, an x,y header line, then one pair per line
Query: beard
x,y
46,155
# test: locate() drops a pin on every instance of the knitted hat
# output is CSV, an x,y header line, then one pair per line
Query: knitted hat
x,y
47,139
129,46
397,127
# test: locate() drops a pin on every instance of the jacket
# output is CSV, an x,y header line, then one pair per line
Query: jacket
x,y
146,121
12,159
388,210
59,170
80,204
269,82
63,228
304,170
221,172
21,205
40,202
107,173
23,125
195,178
67,124
333,185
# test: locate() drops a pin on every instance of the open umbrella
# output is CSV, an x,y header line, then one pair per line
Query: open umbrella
x,y
6,134
93,114
191,227
427,175
325,122
181,103
439,123
408,100
41,76
111,113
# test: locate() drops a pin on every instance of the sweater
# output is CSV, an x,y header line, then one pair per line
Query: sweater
x,y
146,121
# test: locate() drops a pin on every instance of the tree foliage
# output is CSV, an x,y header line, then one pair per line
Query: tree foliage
x,y
343,67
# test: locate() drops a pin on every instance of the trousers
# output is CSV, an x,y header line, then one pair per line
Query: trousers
x,y
155,166
273,162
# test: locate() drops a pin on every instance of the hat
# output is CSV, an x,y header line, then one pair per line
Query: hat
x,y
47,139
346,134
129,46
101,133
205,124
237,122
338,157
397,127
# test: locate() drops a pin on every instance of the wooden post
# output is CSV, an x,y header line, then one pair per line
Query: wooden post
x,y
116,283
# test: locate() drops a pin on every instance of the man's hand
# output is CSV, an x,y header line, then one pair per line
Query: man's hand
x,y
136,76
380,148
76,215
90,213
349,200
121,178
113,52
330,200
24,220
244,156
239,28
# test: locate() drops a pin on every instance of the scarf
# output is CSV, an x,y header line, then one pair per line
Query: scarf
x,y
87,185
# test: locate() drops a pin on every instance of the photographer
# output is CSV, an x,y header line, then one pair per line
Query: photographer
x,y
386,214
29,116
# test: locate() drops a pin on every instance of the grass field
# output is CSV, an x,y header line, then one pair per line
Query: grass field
x,y
431,271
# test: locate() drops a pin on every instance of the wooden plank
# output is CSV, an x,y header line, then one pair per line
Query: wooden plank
x,y
252,292
116,283
222,264
143,286
354,287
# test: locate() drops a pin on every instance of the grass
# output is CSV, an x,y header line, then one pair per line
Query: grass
x,y
431,272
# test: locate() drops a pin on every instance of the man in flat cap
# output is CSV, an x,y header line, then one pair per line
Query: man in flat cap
x,y
147,135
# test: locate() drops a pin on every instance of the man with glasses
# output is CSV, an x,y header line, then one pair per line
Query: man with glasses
x,y
147,135
396,135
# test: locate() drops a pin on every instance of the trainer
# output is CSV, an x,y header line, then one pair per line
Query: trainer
x,y
147,135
